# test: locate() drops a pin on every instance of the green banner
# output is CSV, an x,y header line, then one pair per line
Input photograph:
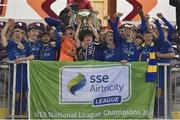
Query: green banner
x,y
89,90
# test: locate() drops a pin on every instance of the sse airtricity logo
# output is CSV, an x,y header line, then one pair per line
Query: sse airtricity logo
x,y
76,84
98,85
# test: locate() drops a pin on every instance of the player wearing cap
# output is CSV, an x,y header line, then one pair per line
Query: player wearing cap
x,y
18,51
39,26
35,44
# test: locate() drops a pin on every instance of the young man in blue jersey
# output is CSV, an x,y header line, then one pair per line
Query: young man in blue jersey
x,y
166,52
151,43
18,51
85,40
138,41
35,44
129,50
111,52
48,49
147,46
164,55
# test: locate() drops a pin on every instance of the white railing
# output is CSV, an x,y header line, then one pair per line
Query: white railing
x,y
13,104
165,65
4,75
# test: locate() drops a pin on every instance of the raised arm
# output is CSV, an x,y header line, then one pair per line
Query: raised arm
x,y
76,36
117,16
94,31
143,26
113,25
8,25
57,37
117,36
160,38
168,24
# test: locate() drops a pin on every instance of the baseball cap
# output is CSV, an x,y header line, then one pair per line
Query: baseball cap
x,y
19,26
36,25
130,26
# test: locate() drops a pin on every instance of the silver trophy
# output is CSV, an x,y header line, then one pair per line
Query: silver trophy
x,y
84,16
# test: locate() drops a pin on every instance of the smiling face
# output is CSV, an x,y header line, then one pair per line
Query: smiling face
x,y
130,34
17,35
109,38
148,38
137,41
102,35
122,32
88,39
33,33
45,38
147,16
69,32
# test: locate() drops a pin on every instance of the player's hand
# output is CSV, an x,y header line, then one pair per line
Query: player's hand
x,y
53,44
140,11
10,23
123,62
119,14
147,17
96,12
20,46
78,20
72,53
160,15
154,19
106,17
18,61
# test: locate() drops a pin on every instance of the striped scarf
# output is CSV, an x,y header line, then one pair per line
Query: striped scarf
x,y
152,66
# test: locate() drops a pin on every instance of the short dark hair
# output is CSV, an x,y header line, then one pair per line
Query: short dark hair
x,y
139,36
69,27
147,32
84,33
44,33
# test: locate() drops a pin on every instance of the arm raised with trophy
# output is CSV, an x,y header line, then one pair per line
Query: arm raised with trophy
x,y
76,36
94,30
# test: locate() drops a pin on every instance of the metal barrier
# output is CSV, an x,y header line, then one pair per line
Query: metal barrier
x,y
13,93
16,99
3,81
165,75
176,87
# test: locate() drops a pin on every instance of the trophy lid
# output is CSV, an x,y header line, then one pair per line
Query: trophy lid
x,y
84,12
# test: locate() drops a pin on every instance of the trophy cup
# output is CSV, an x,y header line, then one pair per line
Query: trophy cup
x,y
84,16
